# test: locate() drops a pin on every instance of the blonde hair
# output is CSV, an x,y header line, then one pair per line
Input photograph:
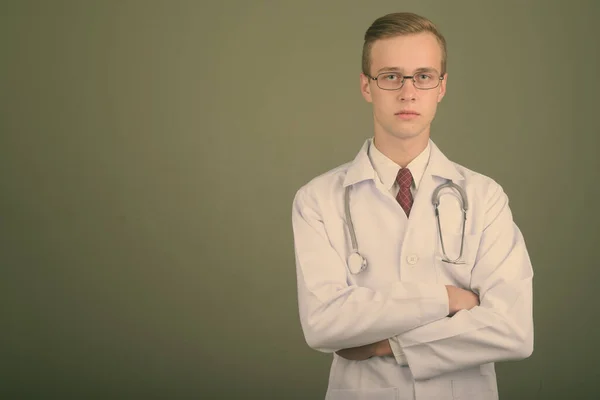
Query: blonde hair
x,y
397,24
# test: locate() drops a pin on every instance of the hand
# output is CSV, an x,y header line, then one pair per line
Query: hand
x,y
361,353
461,299
358,353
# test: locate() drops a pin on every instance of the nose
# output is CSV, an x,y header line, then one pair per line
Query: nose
x,y
407,92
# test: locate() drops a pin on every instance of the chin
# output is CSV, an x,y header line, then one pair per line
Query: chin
x,y
405,135
405,130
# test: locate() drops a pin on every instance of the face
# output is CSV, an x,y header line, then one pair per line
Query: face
x,y
405,54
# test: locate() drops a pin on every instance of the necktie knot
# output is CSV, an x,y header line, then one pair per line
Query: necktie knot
x,y
404,178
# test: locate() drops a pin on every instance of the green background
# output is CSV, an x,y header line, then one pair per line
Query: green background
x,y
150,152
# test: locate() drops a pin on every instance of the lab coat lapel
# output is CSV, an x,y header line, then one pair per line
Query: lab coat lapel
x,y
422,225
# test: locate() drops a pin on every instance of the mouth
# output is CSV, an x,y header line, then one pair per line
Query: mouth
x,y
407,114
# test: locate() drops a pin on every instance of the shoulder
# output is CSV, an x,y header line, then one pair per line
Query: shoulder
x,y
322,186
473,182
476,180
484,189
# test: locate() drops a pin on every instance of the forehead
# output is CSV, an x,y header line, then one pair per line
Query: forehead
x,y
407,53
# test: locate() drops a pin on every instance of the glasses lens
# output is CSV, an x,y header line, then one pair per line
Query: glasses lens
x,y
389,80
426,80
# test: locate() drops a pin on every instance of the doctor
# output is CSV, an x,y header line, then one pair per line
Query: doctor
x,y
438,300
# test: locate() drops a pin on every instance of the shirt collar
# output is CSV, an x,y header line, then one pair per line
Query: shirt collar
x,y
361,168
387,170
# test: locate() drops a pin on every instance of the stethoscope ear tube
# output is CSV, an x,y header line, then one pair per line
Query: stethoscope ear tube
x,y
356,262
349,219
435,200
435,197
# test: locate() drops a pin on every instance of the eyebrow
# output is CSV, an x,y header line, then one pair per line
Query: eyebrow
x,y
422,69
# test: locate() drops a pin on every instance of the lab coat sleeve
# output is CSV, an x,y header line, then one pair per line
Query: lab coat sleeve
x,y
335,315
501,327
397,351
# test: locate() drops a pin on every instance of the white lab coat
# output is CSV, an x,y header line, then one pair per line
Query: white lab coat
x,y
402,292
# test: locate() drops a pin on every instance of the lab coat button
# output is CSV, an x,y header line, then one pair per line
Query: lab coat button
x,y
412,259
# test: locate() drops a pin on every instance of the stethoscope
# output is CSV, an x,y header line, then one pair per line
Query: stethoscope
x,y
357,263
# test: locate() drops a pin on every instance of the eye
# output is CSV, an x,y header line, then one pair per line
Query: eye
x,y
423,77
390,77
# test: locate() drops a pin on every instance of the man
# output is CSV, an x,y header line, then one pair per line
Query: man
x,y
443,294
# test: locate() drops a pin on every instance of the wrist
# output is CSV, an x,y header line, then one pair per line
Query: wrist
x,y
382,348
451,300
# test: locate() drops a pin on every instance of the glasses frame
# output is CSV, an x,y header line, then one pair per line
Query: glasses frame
x,y
404,78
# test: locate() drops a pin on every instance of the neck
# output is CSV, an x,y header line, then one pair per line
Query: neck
x,y
399,150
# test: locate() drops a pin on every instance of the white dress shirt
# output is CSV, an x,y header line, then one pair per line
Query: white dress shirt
x,y
387,170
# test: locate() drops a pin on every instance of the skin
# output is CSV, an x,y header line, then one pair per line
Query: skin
x,y
403,140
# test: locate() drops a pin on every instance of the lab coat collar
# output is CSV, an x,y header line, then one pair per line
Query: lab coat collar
x,y
361,169
441,166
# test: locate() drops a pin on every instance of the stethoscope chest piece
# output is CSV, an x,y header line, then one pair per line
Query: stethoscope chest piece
x,y
356,263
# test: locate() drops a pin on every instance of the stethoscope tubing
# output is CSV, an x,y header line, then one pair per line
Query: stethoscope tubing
x,y
357,262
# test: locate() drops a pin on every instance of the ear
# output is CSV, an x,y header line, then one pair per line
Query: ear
x,y
365,88
442,91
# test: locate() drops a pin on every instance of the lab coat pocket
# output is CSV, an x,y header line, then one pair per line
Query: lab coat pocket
x,y
472,389
363,394
453,267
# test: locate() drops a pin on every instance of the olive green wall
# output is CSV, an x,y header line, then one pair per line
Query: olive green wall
x,y
150,152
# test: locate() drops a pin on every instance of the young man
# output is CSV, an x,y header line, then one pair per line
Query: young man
x,y
443,292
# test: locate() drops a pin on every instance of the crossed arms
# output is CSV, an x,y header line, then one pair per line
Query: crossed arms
x,y
458,299
439,328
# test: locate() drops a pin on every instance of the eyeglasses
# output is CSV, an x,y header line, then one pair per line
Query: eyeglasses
x,y
395,80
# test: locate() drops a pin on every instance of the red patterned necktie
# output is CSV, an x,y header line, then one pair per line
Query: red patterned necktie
x,y
404,197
